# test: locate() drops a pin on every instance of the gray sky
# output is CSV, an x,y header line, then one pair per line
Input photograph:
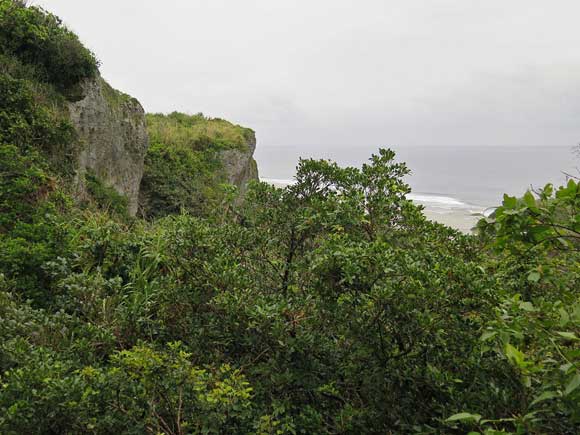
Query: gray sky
x,y
348,72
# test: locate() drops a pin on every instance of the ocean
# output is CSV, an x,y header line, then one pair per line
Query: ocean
x,y
454,184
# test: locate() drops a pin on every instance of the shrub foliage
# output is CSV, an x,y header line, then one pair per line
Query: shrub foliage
x,y
331,306
38,39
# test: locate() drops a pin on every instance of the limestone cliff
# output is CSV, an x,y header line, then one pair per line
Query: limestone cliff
x,y
239,164
113,138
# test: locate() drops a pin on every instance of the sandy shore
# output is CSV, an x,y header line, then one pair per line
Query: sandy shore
x,y
463,220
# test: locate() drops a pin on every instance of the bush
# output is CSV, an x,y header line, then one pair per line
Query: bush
x,y
31,195
106,197
40,129
343,308
38,38
143,391
30,227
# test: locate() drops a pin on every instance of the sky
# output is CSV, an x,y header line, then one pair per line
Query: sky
x,y
348,73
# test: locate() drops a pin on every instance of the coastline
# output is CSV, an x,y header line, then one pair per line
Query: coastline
x,y
461,220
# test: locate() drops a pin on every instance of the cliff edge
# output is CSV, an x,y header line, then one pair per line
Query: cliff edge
x,y
94,139
239,164
190,158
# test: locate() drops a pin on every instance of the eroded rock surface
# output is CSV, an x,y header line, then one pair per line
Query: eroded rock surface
x,y
113,138
240,166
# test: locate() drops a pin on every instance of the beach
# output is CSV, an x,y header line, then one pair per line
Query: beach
x,y
449,211
460,220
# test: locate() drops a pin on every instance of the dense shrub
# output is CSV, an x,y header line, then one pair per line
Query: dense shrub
x,y
331,306
343,308
36,128
31,194
537,324
106,197
38,38
30,232
143,391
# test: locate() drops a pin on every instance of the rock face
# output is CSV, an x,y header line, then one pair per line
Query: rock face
x,y
113,142
240,166
113,138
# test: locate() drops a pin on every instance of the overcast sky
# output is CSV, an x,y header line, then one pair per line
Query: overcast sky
x,y
348,72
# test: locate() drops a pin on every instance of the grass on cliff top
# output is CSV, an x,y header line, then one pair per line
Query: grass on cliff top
x,y
197,132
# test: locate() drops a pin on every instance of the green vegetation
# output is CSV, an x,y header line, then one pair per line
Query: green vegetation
x,y
106,197
331,306
37,39
30,136
536,240
182,165
34,127
196,132
37,142
114,97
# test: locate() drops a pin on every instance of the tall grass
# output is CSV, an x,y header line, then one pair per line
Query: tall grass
x,y
196,132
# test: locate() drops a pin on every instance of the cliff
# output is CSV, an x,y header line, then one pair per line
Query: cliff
x,y
239,165
112,136
199,153
95,139
190,158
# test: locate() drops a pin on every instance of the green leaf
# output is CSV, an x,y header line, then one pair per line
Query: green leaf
x,y
530,416
546,395
576,312
565,243
514,355
464,416
567,335
497,420
488,335
534,276
564,317
529,199
509,202
573,384
527,306
548,190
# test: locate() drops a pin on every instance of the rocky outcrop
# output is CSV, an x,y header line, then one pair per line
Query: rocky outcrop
x,y
113,142
113,138
239,164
